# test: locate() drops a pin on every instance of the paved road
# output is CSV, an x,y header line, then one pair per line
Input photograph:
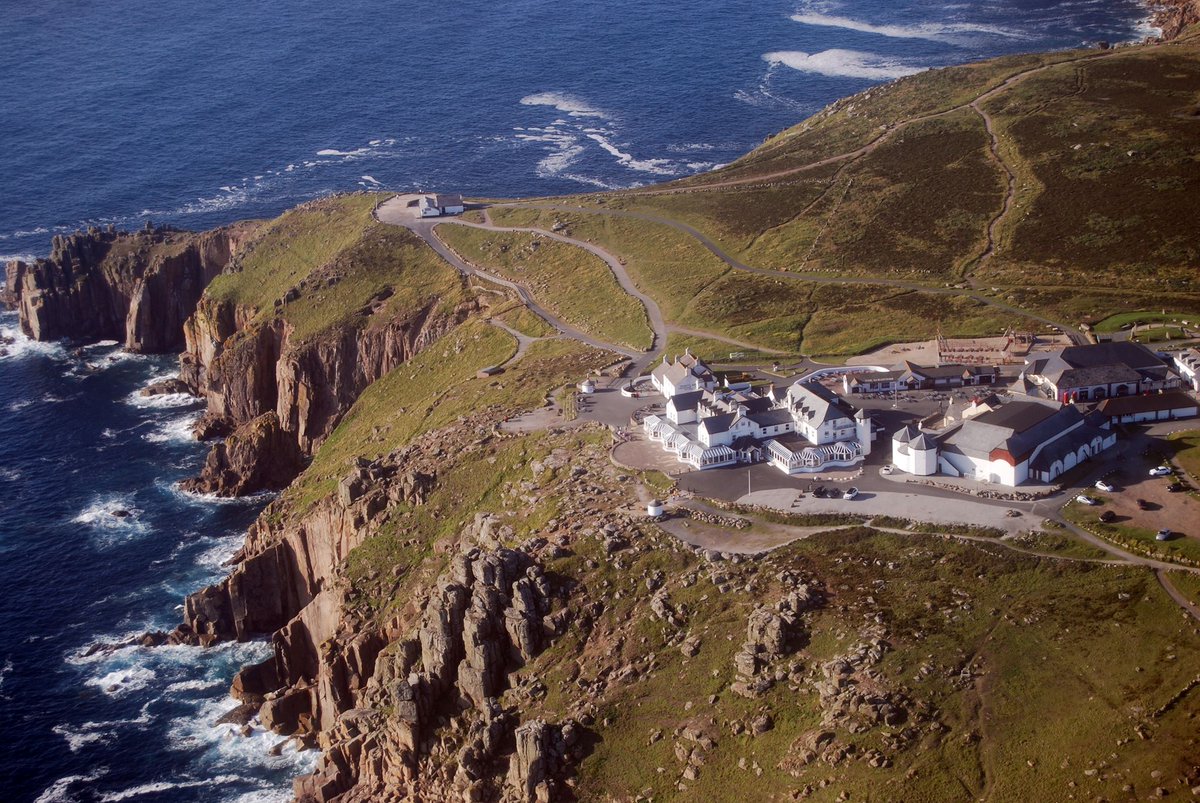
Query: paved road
x,y
395,212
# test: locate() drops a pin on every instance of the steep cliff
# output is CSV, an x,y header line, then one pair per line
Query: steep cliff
x,y
281,347
1174,17
137,288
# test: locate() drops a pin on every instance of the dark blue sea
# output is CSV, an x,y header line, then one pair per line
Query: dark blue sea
x,y
202,114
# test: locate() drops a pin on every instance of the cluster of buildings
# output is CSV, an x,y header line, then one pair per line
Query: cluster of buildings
x,y
1061,411
805,429
1046,432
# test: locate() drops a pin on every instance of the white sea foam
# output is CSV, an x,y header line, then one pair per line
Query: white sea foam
x,y
838,63
660,167
215,557
161,400
6,258
9,475
14,345
122,681
951,32
104,516
77,739
335,152
174,430
264,796
167,786
59,791
194,685
372,180
565,103
226,746
213,499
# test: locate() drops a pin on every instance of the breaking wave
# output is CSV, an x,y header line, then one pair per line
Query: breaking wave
x,y
565,103
838,63
949,32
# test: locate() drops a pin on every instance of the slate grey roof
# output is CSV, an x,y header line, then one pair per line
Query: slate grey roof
x,y
1100,364
442,200
1067,444
771,418
907,434
922,441
816,404
686,401
1018,428
1130,405
718,423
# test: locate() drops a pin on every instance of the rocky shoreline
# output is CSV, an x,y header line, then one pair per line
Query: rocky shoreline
x,y
1172,17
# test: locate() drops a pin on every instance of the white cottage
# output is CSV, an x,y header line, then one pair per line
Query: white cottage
x,y
1016,443
685,374
440,204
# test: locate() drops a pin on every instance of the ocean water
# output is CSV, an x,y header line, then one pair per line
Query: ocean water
x,y
198,116
78,447
202,115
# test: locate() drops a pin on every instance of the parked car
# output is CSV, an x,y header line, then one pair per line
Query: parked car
x,y
1084,499
1163,535
1176,487
886,469
850,493
1108,517
1160,471
1143,504
1107,487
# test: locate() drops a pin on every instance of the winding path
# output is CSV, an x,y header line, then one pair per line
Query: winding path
x,y
878,140
814,278
654,316
395,212
1010,193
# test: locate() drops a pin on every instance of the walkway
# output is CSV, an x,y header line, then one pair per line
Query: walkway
x,y
396,212
814,278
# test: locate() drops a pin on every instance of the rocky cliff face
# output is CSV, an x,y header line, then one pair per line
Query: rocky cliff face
x,y
379,697
263,388
1175,16
137,288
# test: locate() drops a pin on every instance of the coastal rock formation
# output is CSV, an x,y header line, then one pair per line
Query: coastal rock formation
x,y
247,369
137,288
258,455
1172,17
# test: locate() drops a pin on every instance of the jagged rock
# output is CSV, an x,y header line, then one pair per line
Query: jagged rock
x,y
259,455
241,715
139,293
283,713
252,683
165,387
530,767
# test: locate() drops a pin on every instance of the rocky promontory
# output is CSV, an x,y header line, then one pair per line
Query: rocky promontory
x,y
134,287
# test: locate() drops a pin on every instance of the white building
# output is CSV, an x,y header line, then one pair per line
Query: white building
x,y
807,429
1170,405
440,204
684,374
1187,365
1018,442
1095,372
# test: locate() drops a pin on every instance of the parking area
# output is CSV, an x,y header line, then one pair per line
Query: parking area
x,y
1178,512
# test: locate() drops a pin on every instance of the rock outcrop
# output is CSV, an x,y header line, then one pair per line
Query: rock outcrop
x,y
1173,17
258,455
137,288
247,369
